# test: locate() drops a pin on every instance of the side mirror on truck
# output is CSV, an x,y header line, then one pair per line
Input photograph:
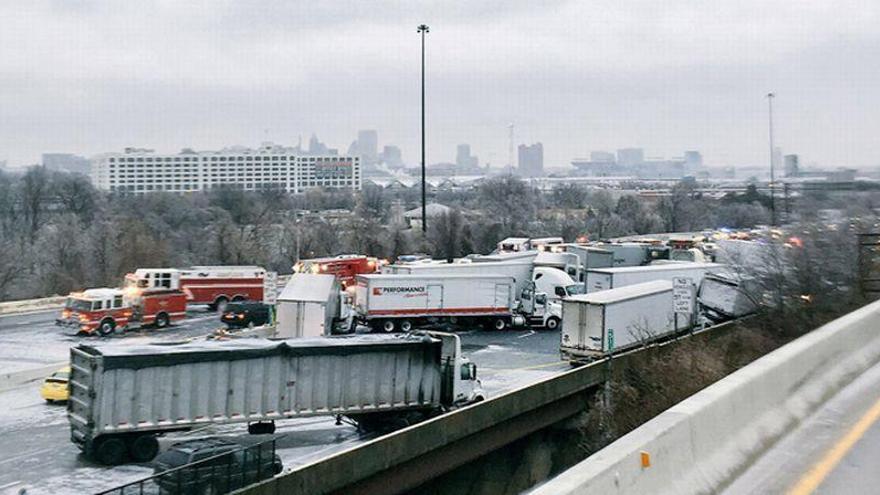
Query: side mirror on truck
x,y
468,371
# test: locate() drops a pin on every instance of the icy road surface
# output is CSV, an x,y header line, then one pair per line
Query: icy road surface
x,y
36,452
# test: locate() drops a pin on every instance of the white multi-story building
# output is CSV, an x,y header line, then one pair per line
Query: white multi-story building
x,y
141,171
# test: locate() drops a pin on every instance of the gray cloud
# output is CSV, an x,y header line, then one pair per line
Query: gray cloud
x,y
88,77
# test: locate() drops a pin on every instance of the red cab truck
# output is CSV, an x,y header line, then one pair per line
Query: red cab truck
x,y
105,310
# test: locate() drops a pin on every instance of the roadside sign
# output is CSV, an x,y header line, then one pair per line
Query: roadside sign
x,y
270,288
682,295
610,339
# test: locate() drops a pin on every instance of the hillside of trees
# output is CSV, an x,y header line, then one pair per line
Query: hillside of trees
x,y
57,233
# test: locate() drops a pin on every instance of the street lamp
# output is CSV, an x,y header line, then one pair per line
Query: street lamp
x,y
422,29
770,97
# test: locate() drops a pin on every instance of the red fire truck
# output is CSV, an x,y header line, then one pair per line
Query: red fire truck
x,y
105,310
211,285
345,267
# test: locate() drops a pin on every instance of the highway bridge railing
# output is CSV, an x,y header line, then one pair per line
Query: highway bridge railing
x,y
407,458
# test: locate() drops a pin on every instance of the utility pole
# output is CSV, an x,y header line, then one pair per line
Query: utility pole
x,y
770,97
422,29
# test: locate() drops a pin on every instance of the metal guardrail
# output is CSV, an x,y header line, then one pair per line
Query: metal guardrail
x,y
222,473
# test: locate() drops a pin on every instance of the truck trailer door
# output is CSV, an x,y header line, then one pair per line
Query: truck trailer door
x,y
435,297
502,295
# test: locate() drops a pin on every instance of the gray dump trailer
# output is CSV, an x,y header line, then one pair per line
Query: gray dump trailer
x,y
122,397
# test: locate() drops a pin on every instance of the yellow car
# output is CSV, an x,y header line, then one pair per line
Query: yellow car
x,y
54,387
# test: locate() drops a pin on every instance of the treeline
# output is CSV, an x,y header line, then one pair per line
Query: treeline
x,y
57,233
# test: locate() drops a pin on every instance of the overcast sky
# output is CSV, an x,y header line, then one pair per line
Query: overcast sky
x,y
87,77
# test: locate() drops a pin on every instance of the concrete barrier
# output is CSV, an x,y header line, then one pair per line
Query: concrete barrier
x,y
26,305
702,444
19,378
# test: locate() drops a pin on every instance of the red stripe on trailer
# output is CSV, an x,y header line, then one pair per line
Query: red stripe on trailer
x,y
446,311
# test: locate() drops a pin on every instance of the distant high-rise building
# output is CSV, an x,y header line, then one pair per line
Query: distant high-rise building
x,y
628,157
531,160
316,147
142,171
792,165
366,146
693,160
601,157
777,161
463,158
66,162
392,156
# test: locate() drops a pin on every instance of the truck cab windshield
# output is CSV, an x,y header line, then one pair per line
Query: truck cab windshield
x,y
78,304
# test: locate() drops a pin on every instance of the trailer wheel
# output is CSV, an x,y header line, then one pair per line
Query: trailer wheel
x,y
262,428
110,451
144,448
406,326
552,323
388,326
162,320
499,324
107,326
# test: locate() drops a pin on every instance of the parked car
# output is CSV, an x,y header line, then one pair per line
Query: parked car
x,y
55,386
225,466
246,314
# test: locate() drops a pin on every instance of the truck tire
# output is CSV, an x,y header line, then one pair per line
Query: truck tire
x,y
389,326
144,448
220,304
110,451
107,326
499,324
261,428
405,326
552,323
162,320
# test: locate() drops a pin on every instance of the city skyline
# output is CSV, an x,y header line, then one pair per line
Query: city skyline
x,y
169,76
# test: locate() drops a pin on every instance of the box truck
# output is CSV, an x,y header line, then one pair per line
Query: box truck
x,y
390,303
313,306
635,253
613,278
598,324
722,296
519,270
122,397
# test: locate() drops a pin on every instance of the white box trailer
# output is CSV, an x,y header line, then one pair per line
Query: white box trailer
x,y
402,302
311,305
613,278
519,270
601,323
590,256
723,296
121,397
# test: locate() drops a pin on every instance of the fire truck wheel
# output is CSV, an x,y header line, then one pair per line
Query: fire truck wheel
x,y
388,326
110,451
107,326
161,320
144,448
405,326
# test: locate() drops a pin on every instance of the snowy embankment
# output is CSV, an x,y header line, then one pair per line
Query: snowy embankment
x,y
26,305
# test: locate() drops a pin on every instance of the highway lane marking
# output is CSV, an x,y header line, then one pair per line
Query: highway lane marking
x,y
810,481
42,451
9,485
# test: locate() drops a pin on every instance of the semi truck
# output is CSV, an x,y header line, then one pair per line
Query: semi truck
x,y
313,305
613,278
106,310
634,253
390,303
211,285
123,397
595,325
519,270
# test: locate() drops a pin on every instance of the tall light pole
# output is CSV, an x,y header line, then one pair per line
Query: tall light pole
x,y
422,29
770,97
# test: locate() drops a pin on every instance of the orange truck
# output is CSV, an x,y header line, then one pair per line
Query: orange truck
x,y
105,310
